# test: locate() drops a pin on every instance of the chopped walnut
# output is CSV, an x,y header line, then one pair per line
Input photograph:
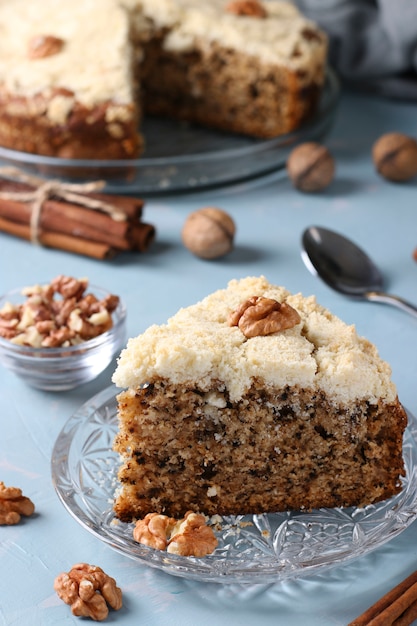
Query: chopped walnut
x,y
68,286
47,321
42,46
251,8
88,590
263,316
189,536
13,505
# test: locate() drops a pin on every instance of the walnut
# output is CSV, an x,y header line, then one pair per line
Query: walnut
x,y
13,505
58,337
68,286
395,157
88,590
42,46
186,537
310,34
310,167
209,232
191,537
251,8
8,327
154,530
49,322
263,316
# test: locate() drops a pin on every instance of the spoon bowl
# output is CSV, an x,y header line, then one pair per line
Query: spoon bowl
x,y
346,268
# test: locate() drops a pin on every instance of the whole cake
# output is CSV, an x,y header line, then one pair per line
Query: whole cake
x,y
76,76
255,400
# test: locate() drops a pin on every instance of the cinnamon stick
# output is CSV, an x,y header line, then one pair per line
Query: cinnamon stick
x,y
74,227
142,236
132,207
73,219
408,616
59,241
398,607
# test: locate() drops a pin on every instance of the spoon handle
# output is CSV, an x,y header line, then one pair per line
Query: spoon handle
x,y
385,298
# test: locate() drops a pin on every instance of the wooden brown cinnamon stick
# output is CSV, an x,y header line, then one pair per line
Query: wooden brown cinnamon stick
x,y
76,227
91,249
398,607
408,617
131,207
72,219
142,236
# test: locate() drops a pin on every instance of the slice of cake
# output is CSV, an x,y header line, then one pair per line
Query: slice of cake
x,y
255,400
75,76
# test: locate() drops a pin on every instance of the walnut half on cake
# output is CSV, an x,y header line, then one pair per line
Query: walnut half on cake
x,y
255,400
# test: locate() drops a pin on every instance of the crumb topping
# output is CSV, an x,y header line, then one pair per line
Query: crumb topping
x,y
198,346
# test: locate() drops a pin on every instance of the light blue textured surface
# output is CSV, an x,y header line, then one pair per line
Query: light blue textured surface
x,y
270,217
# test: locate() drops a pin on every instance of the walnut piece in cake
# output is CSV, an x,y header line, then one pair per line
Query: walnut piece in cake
x,y
41,46
252,8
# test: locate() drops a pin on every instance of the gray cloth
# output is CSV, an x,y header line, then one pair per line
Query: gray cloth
x,y
373,43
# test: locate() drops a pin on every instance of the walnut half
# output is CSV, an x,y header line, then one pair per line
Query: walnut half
x,y
192,537
88,590
259,316
250,8
13,505
189,536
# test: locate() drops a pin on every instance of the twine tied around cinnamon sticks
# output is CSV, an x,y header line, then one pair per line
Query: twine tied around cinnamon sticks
x,y
45,189
72,217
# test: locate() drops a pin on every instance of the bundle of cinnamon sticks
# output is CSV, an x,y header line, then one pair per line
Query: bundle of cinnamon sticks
x,y
68,225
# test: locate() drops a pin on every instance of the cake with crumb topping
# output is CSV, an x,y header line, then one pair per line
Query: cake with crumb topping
x,y
255,400
76,77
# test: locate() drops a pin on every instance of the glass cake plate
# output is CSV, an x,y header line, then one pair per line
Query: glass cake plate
x,y
183,157
252,549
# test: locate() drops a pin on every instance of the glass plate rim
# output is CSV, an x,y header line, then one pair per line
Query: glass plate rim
x,y
207,569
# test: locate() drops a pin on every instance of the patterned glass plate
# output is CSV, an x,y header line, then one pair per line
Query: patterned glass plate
x,y
252,549
184,157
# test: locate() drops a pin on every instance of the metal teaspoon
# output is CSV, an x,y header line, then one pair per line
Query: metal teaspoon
x,y
345,267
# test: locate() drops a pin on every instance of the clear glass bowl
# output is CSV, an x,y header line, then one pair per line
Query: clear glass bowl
x,y
63,368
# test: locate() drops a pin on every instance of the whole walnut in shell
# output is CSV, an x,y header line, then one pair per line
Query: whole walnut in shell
x,y
311,167
395,157
209,233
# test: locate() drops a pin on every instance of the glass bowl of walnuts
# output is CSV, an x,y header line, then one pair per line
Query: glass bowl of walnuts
x,y
60,335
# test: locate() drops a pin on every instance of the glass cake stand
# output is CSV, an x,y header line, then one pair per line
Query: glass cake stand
x,y
183,157
253,548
